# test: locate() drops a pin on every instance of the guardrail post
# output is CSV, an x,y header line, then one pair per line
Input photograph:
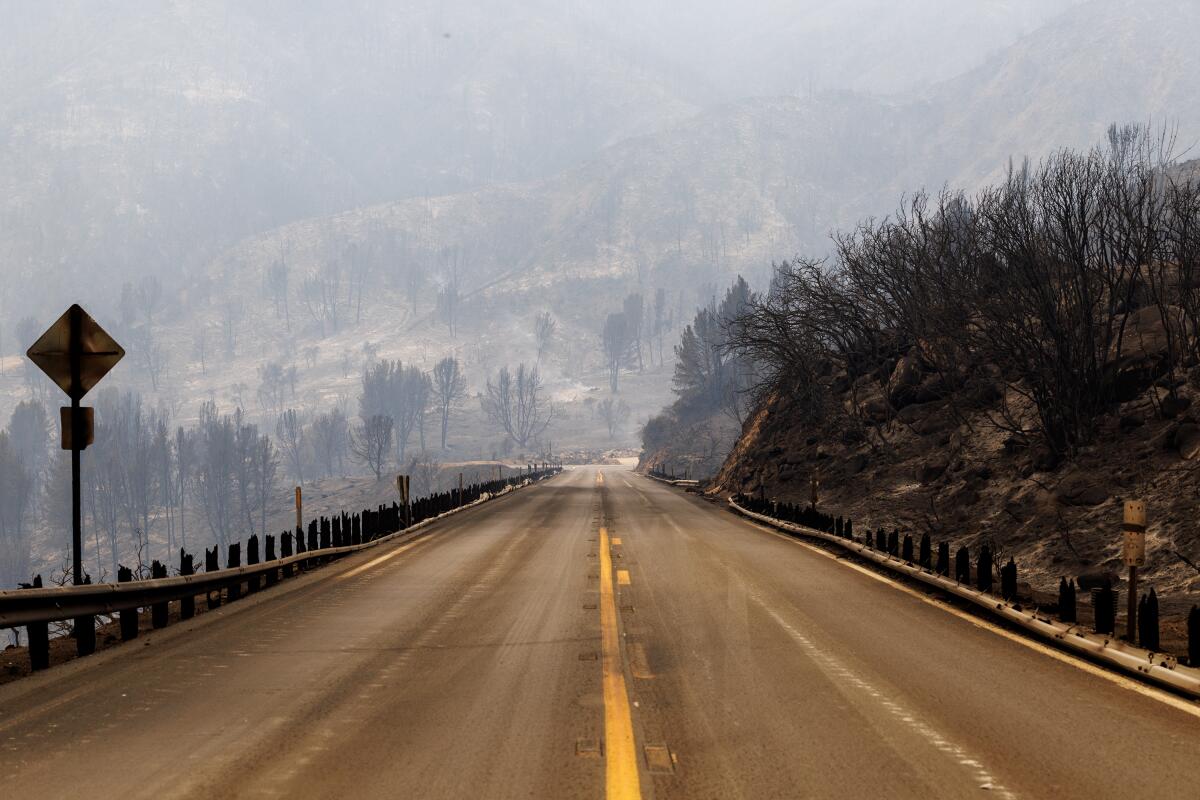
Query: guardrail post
x,y
962,566
894,543
313,544
1193,628
907,551
881,541
158,611
943,559
336,536
1147,621
326,531
38,634
356,530
129,616
983,569
211,564
187,605
234,560
252,581
924,556
84,629
849,529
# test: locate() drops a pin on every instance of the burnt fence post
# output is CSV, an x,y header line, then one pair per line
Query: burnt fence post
x,y
211,564
252,581
924,556
273,573
234,560
1066,601
943,561
962,566
906,551
158,611
187,566
1008,580
983,570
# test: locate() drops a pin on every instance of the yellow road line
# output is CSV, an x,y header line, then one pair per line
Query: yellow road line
x,y
1086,666
374,562
621,780
622,577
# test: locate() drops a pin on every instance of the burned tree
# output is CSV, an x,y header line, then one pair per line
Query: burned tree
x,y
515,403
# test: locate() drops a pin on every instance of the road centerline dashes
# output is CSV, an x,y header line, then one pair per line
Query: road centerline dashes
x,y
621,779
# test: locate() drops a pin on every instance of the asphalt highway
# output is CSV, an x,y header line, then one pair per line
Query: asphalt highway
x,y
598,635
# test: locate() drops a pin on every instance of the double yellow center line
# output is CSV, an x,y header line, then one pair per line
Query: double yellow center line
x,y
621,770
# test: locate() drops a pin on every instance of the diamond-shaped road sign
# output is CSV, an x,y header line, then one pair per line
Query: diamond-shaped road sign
x,y
75,352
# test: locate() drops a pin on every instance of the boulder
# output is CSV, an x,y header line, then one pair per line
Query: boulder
x,y
1187,440
1142,358
932,469
1078,489
932,425
875,409
905,381
1096,580
1145,334
917,411
1131,422
1170,405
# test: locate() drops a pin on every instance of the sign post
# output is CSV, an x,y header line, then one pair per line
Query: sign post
x,y
1134,555
299,510
75,352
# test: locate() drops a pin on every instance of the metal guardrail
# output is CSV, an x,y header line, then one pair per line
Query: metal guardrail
x,y
22,607
673,481
1158,667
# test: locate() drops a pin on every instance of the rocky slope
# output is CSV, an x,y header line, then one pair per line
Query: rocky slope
x,y
943,466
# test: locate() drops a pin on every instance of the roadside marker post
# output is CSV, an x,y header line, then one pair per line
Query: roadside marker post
x,y
76,353
402,488
1134,555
